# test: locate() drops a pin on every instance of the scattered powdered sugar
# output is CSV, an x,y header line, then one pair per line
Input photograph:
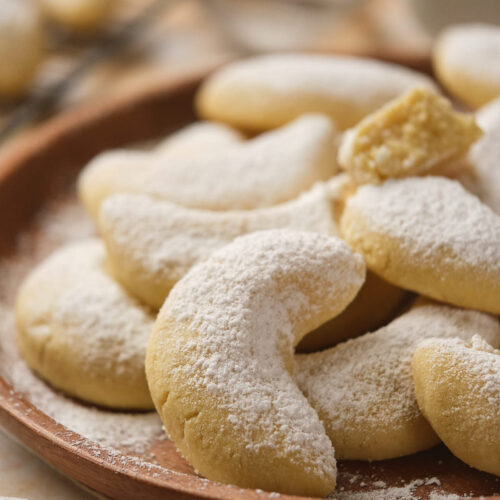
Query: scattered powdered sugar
x,y
244,306
62,222
355,398
383,492
428,215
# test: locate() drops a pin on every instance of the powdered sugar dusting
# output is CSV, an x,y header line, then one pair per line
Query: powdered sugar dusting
x,y
163,241
267,170
69,302
430,214
477,363
247,303
198,138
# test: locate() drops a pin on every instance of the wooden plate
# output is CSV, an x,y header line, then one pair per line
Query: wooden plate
x,y
30,174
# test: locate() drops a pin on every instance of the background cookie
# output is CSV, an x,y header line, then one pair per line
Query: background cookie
x,y
484,158
458,390
80,331
363,390
428,235
270,169
467,62
22,44
268,91
218,357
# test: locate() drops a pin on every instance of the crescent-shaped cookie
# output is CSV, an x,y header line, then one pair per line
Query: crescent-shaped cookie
x,y
270,169
219,360
428,235
81,332
268,91
152,243
466,61
363,390
458,390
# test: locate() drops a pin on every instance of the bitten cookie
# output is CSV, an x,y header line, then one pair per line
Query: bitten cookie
x,y
458,390
268,91
428,235
270,169
467,62
413,134
220,359
363,390
81,332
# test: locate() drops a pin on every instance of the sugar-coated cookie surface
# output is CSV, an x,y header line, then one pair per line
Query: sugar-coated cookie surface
x,y
363,390
458,390
198,137
410,135
81,332
428,235
268,91
220,358
270,169
152,243
484,157
467,62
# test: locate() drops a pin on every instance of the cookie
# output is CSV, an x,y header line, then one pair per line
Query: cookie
x,y
152,243
363,390
466,60
22,43
80,15
199,137
457,385
270,169
428,235
483,158
81,332
411,135
268,91
219,360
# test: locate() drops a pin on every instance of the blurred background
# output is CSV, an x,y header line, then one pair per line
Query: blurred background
x,y
60,53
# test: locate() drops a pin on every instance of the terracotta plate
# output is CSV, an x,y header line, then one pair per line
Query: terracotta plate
x,y
44,164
